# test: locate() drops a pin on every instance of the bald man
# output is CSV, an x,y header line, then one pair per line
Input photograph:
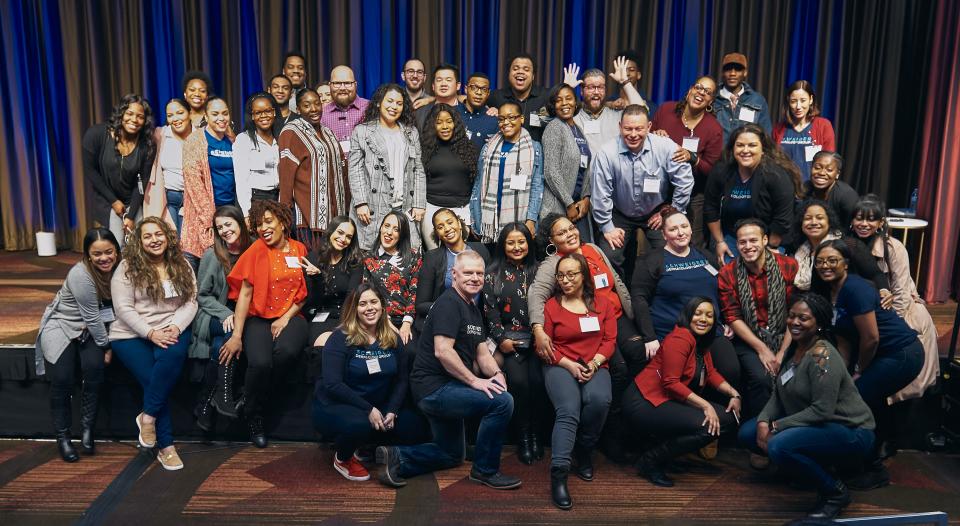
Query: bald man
x,y
346,111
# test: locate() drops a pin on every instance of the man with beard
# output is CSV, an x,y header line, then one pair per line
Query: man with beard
x,y
530,98
295,69
282,88
413,75
600,124
446,86
480,125
346,111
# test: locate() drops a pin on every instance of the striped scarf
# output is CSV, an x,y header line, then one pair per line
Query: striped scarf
x,y
513,203
776,301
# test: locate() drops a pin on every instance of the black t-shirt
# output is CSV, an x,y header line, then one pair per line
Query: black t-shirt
x,y
456,318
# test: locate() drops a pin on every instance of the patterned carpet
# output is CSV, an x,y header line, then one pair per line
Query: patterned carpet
x,y
293,483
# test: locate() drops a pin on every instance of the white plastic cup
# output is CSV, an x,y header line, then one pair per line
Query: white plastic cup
x,y
46,244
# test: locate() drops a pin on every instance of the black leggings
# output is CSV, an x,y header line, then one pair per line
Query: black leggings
x,y
62,375
267,358
525,382
669,419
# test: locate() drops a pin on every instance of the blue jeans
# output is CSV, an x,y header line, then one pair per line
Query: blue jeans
x,y
174,204
157,370
349,427
445,409
888,373
804,450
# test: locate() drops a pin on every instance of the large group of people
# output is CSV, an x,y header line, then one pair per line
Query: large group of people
x,y
464,261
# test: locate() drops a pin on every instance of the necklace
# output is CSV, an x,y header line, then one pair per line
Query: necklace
x,y
694,121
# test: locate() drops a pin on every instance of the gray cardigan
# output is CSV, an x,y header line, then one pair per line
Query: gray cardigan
x,y
561,165
371,183
212,300
75,310
542,287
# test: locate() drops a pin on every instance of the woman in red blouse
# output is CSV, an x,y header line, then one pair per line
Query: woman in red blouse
x,y
583,329
268,285
667,398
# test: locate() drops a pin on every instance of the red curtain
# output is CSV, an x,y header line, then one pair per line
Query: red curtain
x,y
940,162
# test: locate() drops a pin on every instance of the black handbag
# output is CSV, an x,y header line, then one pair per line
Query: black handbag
x,y
522,340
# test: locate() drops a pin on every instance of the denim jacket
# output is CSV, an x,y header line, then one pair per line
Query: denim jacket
x,y
750,99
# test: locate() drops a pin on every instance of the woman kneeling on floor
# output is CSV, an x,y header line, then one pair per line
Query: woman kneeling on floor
x,y
815,416
668,399
359,399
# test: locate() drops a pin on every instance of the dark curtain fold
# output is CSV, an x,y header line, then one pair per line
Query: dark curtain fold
x,y
72,59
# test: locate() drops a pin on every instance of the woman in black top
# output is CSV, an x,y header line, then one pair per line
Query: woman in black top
x,y
505,309
450,162
435,276
825,184
117,161
333,268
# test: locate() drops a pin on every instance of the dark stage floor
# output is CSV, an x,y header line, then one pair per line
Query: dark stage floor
x,y
293,483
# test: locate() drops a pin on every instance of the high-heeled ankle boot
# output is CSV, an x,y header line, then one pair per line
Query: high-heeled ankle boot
x,y
558,488
205,412
584,463
61,412
257,435
88,416
524,446
536,444
223,399
831,502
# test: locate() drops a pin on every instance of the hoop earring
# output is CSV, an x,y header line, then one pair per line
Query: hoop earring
x,y
710,108
551,249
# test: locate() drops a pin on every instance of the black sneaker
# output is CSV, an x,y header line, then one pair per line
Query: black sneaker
x,y
389,473
496,481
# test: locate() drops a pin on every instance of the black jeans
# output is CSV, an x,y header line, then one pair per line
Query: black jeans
x,y
670,419
625,257
62,376
757,382
525,382
267,358
349,428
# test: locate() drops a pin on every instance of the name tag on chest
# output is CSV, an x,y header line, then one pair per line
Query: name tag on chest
x,y
292,261
651,185
589,324
747,114
691,143
321,317
169,291
786,376
535,120
710,269
584,161
373,365
345,146
810,151
601,281
518,181
591,127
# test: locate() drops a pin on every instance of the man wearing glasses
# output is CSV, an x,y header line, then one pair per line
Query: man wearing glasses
x,y
346,111
413,75
480,125
600,124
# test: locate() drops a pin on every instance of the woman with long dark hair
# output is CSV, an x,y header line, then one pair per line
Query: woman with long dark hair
x,y
215,319
334,268
450,164
393,266
163,196
155,299
74,328
802,132
386,173
256,153
566,161
117,160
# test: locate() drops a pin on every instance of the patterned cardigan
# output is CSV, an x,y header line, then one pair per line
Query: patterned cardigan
x,y
196,235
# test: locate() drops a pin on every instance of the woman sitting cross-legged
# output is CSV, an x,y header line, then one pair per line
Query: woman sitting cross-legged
x,y
815,416
360,397
668,398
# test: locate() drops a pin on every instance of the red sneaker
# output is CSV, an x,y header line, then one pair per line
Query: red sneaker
x,y
352,469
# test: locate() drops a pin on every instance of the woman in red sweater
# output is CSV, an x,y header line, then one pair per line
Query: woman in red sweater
x,y
667,397
801,133
583,328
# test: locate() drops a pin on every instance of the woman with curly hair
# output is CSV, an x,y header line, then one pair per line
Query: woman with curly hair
x,y
117,161
155,299
450,163
385,169
268,285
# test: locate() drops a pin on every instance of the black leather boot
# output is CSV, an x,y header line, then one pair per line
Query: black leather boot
x,y
223,399
832,502
558,488
67,452
650,466
257,436
60,410
205,412
88,416
524,446
536,445
584,463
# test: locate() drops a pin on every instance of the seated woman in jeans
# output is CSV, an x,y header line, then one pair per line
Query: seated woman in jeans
x,y
815,416
667,398
360,397
583,329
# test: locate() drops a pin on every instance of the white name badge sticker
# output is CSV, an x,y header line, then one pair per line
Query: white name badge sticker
x,y
711,270
584,161
651,185
810,151
469,135
589,324
786,376
321,317
591,127
518,181
345,146
691,144
292,261
168,290
535,120
373,365
106,315
747,114
601,281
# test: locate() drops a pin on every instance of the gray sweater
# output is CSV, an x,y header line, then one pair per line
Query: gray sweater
x,y
75,310
561,165
212,300
819,391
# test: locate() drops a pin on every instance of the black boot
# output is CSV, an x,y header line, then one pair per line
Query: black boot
x,y
584,463
650,466
558,488
60,410
873,475
832,502
67,452
524,446
88,416
535,444
205,412
257,436
223,394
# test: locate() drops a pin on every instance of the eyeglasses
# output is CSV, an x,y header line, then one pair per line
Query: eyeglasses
x,y
600,87
828,262
700,88
569,276
264,113
478,89
345,84
504,118
414,72
564,232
